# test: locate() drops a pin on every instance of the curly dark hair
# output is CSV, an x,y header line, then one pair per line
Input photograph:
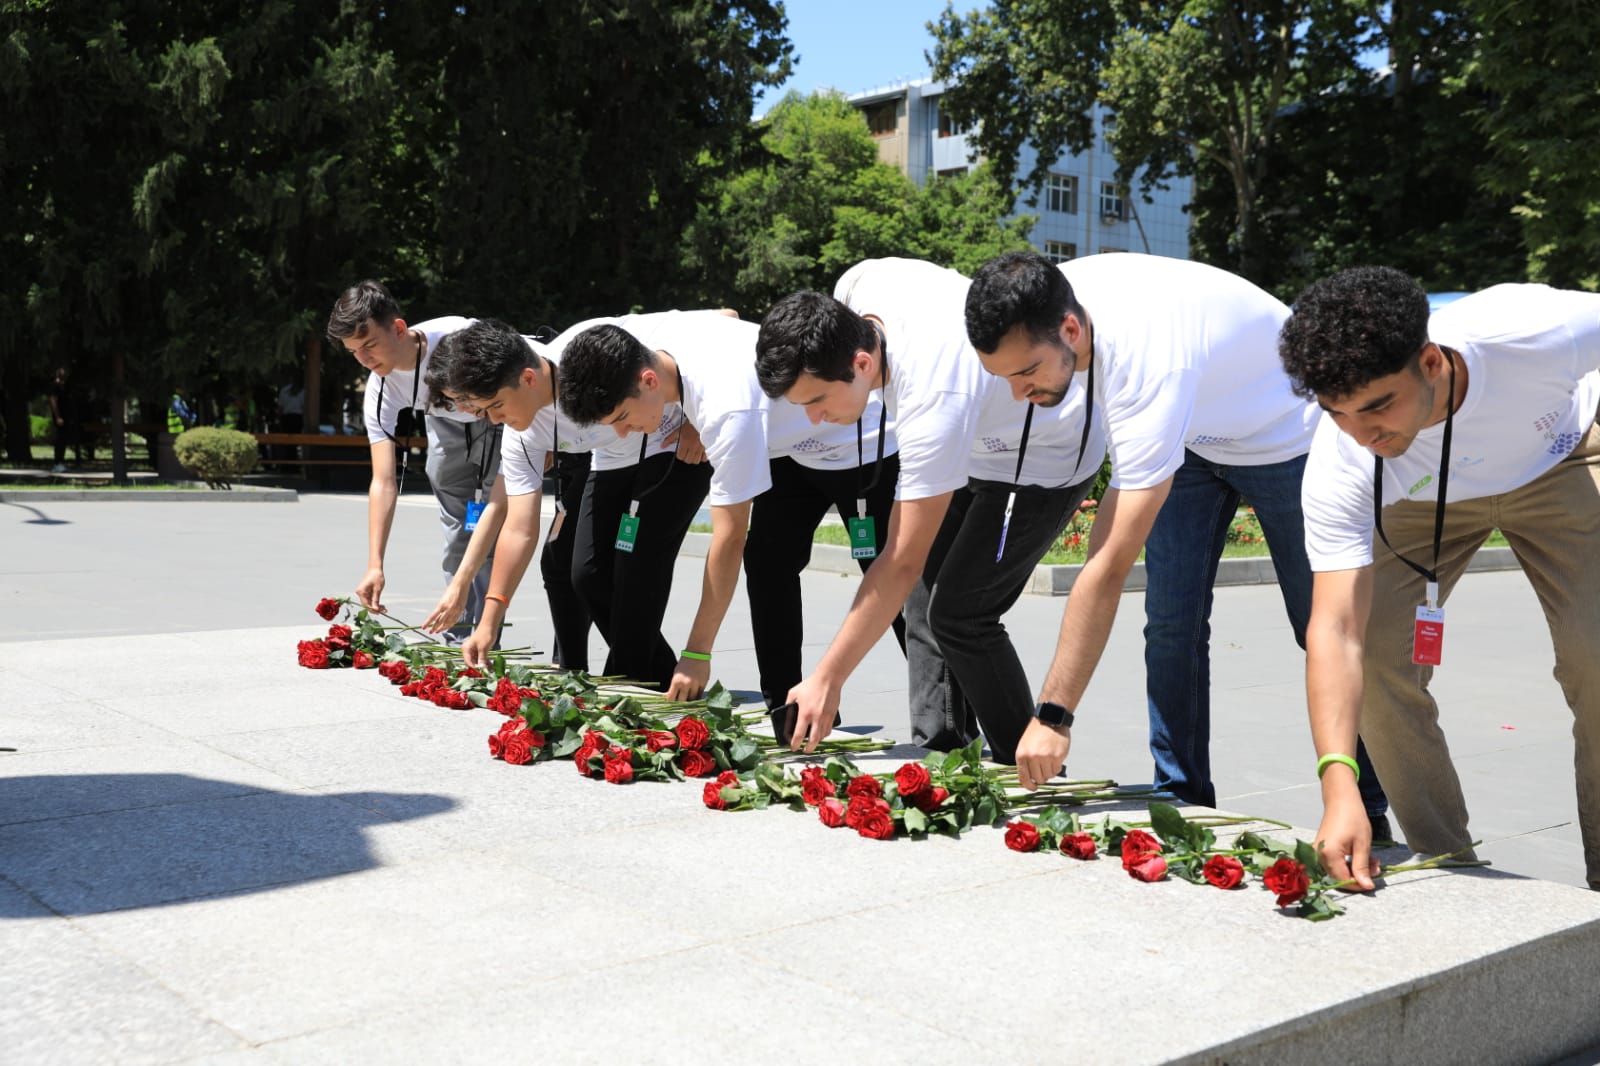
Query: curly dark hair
x,y
478,361
363,302
809,333
1019,288
1351,328
600,369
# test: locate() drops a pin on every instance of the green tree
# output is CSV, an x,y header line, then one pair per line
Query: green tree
x,y
1540,63
815,199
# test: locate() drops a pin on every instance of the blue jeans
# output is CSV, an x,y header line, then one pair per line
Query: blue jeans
x,y
1181,557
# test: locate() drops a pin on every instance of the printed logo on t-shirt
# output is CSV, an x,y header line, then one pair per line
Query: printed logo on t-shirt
x,y
1547,421
810,445
1427,479
1206,438
1563,443
994,444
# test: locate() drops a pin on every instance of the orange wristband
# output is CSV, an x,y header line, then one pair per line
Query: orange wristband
x,y
505,601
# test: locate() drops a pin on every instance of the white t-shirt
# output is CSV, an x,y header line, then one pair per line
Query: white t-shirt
x,y
954,419
614,453
387,396
1532,355
522,454
828,445
1186,356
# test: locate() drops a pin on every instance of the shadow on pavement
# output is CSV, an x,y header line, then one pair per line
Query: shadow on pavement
x,y
91,843
39,517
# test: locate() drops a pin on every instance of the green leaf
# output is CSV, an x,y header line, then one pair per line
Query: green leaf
x,y
744,753
1306,855
915,820
1169,825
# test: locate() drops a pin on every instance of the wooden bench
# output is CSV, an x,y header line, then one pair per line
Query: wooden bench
x,y
361,456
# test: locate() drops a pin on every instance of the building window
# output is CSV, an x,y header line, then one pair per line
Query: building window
x,y
881,120
1060,251
952,172
1061,193
1112,209
1106,249
948,127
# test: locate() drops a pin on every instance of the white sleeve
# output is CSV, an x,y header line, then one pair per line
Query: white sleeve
x,y
1145,429
1336,501
517,457
935,445
380,417
736,448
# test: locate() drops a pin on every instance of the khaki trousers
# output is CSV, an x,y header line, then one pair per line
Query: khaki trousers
x,y
1553,526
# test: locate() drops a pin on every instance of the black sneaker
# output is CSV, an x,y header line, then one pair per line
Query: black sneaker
x,y
1382,835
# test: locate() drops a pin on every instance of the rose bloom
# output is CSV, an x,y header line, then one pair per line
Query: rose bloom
x,y
339,633
619,766
1079,846
728,777
363,661
864,785
693,734
816,790
912,779
1149,868
516,750
928,802
1022,836
831,812
313,654
496,745
696,763
1224,871
659,740
1136,846
597,740
878,824
712,796
396,671
470,671
1288,879
860,808
327,609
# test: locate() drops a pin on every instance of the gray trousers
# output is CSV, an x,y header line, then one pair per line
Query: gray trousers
x,y
965,674
463,459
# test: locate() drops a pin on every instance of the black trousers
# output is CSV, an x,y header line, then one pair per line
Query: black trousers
x,y
626,592
965,673
782,520
569,615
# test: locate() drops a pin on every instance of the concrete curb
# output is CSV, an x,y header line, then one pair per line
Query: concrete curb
x,y
239,494
1058,580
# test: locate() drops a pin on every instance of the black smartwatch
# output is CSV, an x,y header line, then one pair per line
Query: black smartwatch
x,y
1053,714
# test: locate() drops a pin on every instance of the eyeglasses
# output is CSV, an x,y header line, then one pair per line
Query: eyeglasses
x,y
475,409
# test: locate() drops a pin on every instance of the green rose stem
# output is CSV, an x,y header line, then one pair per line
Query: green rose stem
x,y
1447,861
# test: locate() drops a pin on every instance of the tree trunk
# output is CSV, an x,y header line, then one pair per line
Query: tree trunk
x,y
19,429
313,416
119,421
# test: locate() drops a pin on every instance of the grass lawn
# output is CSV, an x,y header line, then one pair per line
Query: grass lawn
x,y
68,485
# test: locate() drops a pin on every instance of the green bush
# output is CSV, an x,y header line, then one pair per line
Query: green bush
x,y
217,456
41,429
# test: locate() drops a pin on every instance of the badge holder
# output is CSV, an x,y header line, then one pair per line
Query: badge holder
x,y
1005,525
474,512
863,533
628,529
1427,638
557,522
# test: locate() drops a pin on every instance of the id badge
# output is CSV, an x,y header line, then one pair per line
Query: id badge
x,y
1427,641
555,526
863,537
1005,527
474,512
627,533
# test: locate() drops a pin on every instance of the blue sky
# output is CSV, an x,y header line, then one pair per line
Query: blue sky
x,y
853,45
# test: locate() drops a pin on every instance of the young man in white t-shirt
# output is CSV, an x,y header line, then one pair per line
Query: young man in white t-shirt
x,y
967,527
1198,413
463,451
1482,416
512,381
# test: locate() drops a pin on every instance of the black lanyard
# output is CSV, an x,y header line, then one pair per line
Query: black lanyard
x,y
405,453
645,443
1431,576
1088,420
883,422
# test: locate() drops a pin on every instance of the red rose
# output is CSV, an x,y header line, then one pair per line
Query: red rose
x,y
696,763
929,801
341,633
619,766
597,740
1288,879
327,609
864,785
313,654
516,750
659,740
728,777
470,671
1079,846
712,796
396,671
528,693
693,734
816,790
536,739
1224,871
1149,868
411,688
496,745
1022,836
831,811
435,675
1138,846
912,779
878,823
860,807
363,661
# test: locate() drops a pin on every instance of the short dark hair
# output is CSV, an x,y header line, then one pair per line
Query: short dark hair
x,y
478,360
809,333
1351,328
356,305
600,369
1019,288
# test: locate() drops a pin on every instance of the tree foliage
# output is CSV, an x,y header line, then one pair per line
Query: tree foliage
x,y
814,199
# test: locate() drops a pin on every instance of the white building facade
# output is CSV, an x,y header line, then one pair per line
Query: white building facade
x,y
1082,210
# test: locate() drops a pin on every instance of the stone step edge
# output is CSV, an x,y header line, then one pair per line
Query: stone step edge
x,y
1057,580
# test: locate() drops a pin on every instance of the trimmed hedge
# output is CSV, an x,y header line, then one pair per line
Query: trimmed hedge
x,y
216,455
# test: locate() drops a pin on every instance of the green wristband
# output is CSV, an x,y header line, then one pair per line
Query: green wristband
x,y
687,654
1322,764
